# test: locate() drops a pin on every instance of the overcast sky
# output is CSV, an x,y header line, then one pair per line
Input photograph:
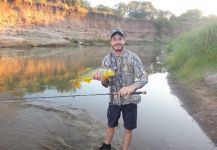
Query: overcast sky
x,y
175,6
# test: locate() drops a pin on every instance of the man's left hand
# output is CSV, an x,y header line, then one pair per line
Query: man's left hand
x,y
127,90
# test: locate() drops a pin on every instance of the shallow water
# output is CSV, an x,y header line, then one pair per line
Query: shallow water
x,y
163,124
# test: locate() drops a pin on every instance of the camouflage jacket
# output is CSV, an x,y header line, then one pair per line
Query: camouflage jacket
x,y
128,70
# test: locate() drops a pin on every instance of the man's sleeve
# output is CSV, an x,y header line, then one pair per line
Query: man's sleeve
x,y
105,64
140,74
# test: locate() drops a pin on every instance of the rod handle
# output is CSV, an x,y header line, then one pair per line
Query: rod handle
x,y
140,92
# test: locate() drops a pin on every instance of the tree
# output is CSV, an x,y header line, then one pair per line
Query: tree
x,y
104,9
120,9
191,15
138,9
85,4
133,9
164,27
75,3
164,14
149,10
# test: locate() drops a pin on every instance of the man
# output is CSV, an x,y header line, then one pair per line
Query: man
x,y
129,76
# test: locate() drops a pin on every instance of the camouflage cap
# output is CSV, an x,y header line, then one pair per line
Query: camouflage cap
x,y
117,31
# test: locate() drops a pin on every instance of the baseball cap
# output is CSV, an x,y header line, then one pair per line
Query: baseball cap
x,y
117,31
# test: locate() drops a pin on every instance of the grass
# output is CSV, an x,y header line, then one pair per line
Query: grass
x,y
194,53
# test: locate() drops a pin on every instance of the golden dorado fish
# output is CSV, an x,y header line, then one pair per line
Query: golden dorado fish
x,y
87,76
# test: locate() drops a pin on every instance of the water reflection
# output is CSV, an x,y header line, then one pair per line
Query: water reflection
x,y
163,123
32,73
36,70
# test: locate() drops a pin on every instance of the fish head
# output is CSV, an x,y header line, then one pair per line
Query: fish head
x,y
107,73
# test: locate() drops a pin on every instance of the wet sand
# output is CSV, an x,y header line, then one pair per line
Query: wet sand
x,y
29,126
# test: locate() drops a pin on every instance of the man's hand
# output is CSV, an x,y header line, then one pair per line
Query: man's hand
x,y
97,76
127,90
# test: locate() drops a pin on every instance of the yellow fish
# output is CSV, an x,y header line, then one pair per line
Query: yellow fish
x,y
87,76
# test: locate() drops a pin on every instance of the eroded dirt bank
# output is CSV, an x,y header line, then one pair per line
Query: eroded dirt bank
x,y
93,29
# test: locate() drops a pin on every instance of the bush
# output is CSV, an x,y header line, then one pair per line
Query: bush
x,y
193,50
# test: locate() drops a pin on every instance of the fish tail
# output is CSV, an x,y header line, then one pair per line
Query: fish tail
x,y
76,83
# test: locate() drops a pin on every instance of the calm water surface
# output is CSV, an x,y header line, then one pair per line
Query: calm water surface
x,y
163,124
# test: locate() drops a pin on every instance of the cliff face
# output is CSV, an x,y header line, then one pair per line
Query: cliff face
x,y
75,29
136,30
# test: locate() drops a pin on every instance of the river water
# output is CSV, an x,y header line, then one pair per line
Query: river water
x,y
163,124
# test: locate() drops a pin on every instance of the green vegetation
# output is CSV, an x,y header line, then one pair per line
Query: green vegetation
x,y
134,9
194,53
61,5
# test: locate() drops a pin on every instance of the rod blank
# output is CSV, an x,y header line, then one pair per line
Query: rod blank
x,y
76,95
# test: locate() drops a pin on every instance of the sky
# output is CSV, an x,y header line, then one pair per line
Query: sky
x,y
177,7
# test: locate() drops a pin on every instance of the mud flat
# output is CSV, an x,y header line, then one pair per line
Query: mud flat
x,y
40,126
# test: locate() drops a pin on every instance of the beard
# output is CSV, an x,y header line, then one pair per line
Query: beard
x,y
118,47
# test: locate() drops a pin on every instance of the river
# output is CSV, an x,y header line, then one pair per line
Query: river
x,y
163,123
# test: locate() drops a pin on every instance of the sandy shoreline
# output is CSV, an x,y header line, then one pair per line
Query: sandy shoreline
x,y
32,126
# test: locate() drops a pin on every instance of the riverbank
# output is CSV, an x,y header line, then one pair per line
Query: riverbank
x,y
200,101
192,61
47,36
58,36
92,29
199,98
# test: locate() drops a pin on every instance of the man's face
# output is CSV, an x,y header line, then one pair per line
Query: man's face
x,y
117,42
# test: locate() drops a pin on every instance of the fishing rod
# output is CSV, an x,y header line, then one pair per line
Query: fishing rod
x,y
75,95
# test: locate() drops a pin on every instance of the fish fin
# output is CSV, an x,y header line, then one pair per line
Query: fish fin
x,y
87,79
